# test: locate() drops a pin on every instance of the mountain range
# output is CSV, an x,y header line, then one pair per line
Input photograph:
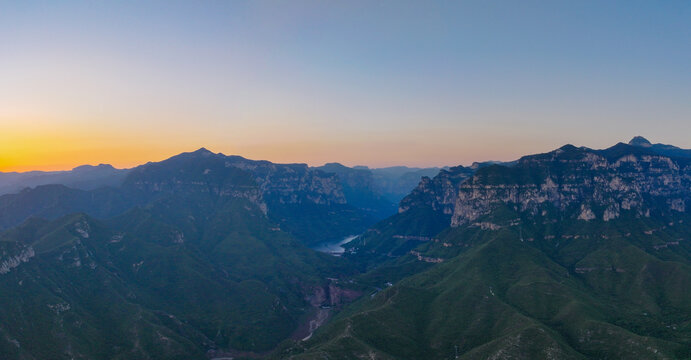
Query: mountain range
x,y
572,254
197,255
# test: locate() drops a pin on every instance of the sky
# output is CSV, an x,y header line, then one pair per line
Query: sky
x,y
377,83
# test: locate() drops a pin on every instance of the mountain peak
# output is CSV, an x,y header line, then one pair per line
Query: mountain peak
x,y
203,151
568,148
640,141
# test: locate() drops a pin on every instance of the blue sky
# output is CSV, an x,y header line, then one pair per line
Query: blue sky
x,y
375,83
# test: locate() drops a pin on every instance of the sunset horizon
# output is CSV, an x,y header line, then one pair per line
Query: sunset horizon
x,y
134,157
399,83
345,179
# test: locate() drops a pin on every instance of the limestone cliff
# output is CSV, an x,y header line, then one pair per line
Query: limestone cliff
x,y
578,182
438,193
233,176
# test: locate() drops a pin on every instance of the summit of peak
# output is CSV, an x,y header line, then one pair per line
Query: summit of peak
x,y
202,150
640,141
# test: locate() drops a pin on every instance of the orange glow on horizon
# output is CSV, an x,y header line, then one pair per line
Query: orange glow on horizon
x,y
48,150
59,145
56,152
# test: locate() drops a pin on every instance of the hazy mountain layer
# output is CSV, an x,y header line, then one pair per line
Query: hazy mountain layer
x,y
377,191
83,178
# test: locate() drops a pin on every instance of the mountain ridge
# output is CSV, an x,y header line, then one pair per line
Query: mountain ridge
x,y
292,194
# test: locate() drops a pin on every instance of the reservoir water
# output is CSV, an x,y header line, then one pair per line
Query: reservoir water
x,y
334,247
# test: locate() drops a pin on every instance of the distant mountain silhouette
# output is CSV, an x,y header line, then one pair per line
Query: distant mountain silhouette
x,y
662,149
85,177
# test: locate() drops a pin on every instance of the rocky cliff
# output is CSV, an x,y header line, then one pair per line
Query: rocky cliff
x,y
583,183
308,203
438,193
580,182
259,181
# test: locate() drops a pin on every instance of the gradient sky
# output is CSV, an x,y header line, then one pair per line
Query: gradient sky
x,y
360,82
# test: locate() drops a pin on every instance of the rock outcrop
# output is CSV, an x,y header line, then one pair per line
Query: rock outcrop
x,y
11,262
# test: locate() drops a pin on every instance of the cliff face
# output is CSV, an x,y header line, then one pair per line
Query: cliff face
x,y
216,174
363,189
578,182
438,193
360,178
377,191
308,203
292,183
